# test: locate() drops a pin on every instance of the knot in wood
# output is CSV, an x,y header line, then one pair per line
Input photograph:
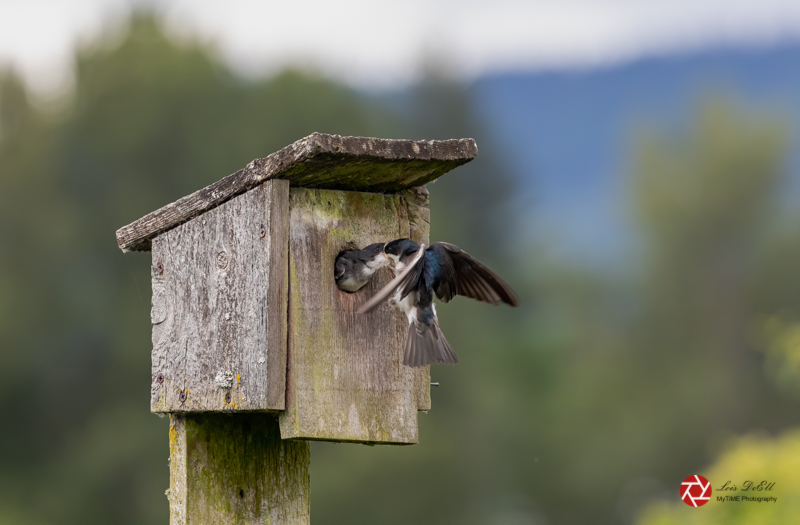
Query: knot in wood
x,y
160,268
262,232
222,260
158,312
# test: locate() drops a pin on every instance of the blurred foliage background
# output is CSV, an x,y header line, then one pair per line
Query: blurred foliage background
x,y
589,404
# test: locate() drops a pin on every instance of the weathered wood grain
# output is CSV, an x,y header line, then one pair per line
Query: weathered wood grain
x,y
317,161
235,469
346,380
419,214
220,306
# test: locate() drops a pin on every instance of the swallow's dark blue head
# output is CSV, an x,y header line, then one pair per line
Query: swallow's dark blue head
x,y
400,247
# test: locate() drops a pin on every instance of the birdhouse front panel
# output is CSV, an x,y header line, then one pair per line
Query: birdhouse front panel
x,y
345,379
220,306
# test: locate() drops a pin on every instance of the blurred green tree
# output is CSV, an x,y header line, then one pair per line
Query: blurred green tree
x,y
755,458
709,210
688,375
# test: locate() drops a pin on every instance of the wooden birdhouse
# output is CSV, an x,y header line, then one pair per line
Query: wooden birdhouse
x,y
255,349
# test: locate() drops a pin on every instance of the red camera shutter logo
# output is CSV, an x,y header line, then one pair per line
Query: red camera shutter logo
x,y
696,491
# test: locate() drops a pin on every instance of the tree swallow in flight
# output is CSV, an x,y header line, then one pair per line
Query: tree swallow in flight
x,y
354,268
442,269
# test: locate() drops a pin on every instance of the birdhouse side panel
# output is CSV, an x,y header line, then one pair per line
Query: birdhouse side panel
x,y
346,380
220,307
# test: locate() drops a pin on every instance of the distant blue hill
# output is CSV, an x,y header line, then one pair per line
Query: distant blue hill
x,y
568,134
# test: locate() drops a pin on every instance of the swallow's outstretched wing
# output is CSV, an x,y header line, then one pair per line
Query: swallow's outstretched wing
x,y
458,273
461,274
404,278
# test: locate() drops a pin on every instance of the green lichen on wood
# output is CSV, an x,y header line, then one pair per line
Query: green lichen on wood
x,y
236,469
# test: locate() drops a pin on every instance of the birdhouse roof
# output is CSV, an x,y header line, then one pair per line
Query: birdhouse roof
x,y
317,161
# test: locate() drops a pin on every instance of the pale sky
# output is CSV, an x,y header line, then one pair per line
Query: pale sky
x,y
381,44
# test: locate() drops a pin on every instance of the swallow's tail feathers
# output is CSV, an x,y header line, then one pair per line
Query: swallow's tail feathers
x,y
426,345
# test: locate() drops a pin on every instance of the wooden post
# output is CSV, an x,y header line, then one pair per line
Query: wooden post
x,y
235,468
255,350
